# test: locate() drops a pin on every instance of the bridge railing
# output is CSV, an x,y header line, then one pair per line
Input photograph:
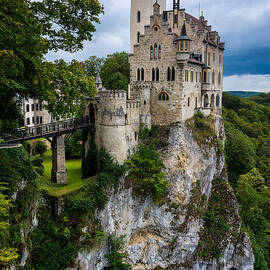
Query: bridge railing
x,y
47,129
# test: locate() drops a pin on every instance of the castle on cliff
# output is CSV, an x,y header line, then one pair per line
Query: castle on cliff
x,y
176,70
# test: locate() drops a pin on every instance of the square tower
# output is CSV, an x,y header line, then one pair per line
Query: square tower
x,y
140,13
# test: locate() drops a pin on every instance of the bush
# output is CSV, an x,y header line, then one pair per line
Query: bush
x,y
40,148
74,146
145,169
117,259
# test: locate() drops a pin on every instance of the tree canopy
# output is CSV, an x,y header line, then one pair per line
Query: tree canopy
x,y
28,30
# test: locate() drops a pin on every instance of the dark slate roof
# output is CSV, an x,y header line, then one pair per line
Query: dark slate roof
x,y
184,35
195,61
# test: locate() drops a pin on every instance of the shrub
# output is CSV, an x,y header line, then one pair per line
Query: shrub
x,y
74,146
40,148
145,169
116,258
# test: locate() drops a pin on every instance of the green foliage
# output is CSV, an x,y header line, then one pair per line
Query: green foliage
x,y
93,66
117,258
94,196
52,247
254,199
40,148
89,162
240,153
28,30
115,71
220,221
262,98
145,168
203,129
74,146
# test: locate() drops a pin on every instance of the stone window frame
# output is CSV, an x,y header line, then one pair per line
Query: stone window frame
x,y
157,74
213,77
151,52
163,96
33,120
142,74
28,121
219,78
159,51
169,74
27,108
186,75
153,75
155,51
33,107
188,101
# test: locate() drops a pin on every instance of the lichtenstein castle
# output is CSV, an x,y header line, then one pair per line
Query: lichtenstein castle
x,y
176,69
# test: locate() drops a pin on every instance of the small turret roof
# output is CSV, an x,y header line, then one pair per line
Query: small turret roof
x,y
184,35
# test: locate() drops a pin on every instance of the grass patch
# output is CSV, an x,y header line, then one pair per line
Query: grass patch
x,y
75,181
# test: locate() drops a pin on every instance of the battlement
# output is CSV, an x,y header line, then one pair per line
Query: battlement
x,y
133,104
114,94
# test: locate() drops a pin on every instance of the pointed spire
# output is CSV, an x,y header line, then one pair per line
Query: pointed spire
x,y
176,4
184,35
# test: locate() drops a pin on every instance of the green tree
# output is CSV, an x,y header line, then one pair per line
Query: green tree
x,y
254,198
113,65
240,153
28,30
93,65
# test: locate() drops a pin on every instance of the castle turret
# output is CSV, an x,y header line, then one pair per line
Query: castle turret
x,y
141,10
183,45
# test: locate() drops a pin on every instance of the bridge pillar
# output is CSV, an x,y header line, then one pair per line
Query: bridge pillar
x,y
59,171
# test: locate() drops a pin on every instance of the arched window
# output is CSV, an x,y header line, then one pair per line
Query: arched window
x,y
138,17
182,45
142,74
153,75
144,102
173,74
169,74
217,101
157,74
206,101
163,96
151,52
219,78
159,52
188,102
155,51
138,75
138,37
213,77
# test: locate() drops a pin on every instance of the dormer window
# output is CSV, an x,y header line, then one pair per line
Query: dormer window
x,y
138,17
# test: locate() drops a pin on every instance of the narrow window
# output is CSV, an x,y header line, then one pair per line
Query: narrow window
x,y
138,17
37,107
220,59
33,120
173,74
196,103
213,78
192,76
27,108
151,53
33,107
182,45
159,52
40,106
214,57
186,45
136,136
209,59
169,74
217,101
157,74
155,51
144,102
205,77
153,74
186,75
138,37
40,120
188,102
196,76
142,74
138,75
200,77
28,121
37,120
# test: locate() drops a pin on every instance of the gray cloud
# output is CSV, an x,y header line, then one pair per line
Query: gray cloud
x,y
243,24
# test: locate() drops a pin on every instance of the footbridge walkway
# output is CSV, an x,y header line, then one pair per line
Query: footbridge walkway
x,y
57,133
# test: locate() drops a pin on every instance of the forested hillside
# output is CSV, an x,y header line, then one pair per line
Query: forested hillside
x,y
247,125
263,98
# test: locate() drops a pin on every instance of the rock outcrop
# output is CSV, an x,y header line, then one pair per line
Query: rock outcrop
x,y
172,235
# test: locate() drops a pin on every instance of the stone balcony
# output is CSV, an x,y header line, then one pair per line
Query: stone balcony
x,y
206,87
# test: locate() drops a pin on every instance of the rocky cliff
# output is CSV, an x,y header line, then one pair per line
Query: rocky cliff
x,y
198,227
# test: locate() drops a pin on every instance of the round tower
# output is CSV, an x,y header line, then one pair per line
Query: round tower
x,y
140,13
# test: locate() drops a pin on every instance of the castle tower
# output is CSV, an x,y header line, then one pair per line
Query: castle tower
x,y
141,10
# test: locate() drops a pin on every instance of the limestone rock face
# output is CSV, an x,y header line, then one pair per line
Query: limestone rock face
x,y
166,236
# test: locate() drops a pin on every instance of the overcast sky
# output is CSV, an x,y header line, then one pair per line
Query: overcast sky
x,y
243,24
